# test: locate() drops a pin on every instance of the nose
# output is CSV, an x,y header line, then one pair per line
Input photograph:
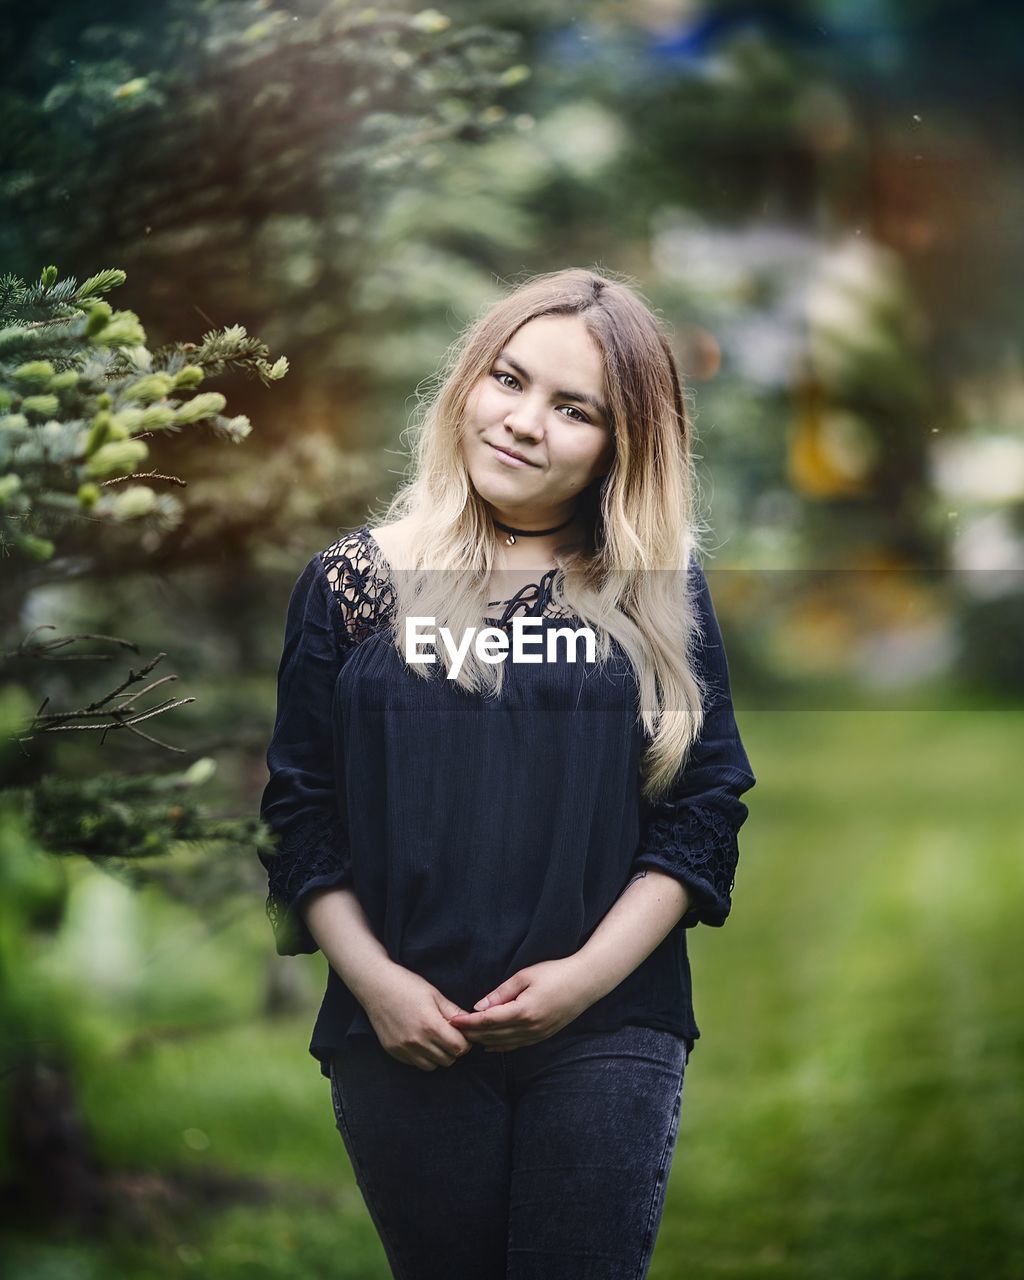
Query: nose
x,y
526,422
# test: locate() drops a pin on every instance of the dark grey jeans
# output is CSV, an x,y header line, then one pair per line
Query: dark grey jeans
x,y
547,1162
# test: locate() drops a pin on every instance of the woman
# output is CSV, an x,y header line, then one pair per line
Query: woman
x,y
500,859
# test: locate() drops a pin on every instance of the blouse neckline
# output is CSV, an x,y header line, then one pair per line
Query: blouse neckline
x,y
536,604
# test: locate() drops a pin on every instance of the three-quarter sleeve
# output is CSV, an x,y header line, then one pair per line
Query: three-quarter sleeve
x,y
300,802
691,832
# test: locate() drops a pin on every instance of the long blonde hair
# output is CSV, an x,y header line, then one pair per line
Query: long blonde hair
x,y
632,584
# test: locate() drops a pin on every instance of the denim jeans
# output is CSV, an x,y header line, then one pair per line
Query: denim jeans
x,y
547,1162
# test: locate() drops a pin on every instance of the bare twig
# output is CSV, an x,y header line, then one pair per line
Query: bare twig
x,y
146,475
43,650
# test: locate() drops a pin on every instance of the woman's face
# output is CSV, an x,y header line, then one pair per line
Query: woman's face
x,y
543,398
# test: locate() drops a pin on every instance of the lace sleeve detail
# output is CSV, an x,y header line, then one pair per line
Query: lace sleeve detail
x,y
692,832
699,847
311,856
361,583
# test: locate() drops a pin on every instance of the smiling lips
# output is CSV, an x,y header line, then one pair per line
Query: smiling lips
x,y
511,459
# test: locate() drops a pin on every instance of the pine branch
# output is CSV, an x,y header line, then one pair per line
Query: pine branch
x,y
81,393
117,819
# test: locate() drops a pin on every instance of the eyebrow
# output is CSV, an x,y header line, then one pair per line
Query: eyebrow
x,y
580,396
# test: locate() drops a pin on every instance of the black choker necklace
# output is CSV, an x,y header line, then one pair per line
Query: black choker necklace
x,y
510,541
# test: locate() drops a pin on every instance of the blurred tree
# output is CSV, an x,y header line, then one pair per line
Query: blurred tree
x,y
234,156
80,394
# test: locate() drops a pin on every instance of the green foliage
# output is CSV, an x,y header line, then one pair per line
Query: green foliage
x,y
129,818
226,115
851,1109
991,654
81,393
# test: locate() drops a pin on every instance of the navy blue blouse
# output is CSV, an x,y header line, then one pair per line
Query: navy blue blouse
x,y
484,834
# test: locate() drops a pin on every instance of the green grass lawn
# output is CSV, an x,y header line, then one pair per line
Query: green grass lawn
x,y
853,1109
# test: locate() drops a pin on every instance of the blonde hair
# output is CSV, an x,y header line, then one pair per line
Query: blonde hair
x,y
641,514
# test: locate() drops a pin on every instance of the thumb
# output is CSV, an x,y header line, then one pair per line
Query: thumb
x,y
509,990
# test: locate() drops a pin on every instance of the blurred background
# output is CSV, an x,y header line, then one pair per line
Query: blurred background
x,y
825,202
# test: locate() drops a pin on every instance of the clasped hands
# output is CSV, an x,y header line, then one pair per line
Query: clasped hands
x,y
531,1005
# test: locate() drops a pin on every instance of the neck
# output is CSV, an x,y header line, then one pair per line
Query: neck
x,y
532,518
537,552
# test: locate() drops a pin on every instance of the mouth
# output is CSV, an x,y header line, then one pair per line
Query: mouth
x,y
512,459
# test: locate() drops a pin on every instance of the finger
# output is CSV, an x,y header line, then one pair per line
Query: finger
x,y
417,1060
439,1055
452,1052
497,1037
507,991
427,1057
498,1015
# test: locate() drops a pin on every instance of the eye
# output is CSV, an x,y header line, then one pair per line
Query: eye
x,y
502,373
